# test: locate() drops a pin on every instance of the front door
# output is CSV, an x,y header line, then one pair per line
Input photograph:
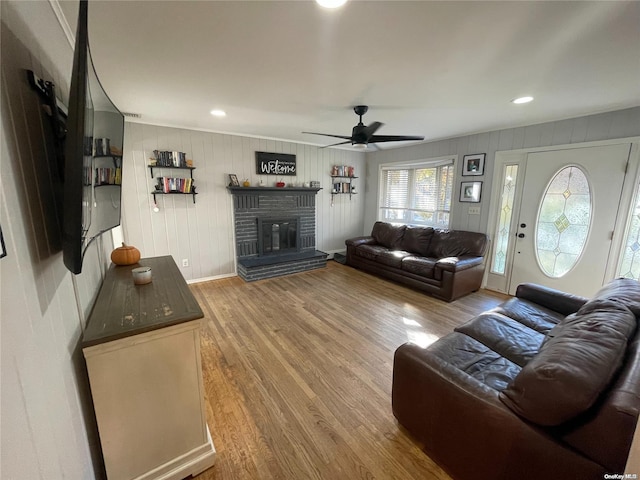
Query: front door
x,y
567,215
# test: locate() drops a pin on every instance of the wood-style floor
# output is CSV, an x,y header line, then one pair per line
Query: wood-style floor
x,y
297,372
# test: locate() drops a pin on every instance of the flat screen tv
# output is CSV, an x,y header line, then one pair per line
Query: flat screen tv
x,y
92,156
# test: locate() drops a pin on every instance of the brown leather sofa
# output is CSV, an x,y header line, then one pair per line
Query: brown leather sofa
x,y
445,263
546,385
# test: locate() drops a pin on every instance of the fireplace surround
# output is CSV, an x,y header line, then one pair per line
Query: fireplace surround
x,y
275,231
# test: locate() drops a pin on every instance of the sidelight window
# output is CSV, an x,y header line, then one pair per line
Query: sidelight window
x,y
630,265
503,232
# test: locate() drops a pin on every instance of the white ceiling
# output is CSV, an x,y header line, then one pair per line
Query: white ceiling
x,y
438,69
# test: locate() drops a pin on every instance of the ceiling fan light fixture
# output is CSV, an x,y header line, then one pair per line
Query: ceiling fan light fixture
x,y
521,100
331,3
360,146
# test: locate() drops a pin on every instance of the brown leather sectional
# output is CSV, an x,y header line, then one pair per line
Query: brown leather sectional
x,y
546,385
444,263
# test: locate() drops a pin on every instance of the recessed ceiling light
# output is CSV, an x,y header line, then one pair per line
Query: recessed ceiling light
x,y
218,113
522,100
331,3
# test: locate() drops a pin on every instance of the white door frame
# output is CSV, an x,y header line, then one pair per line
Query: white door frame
x,y
500,282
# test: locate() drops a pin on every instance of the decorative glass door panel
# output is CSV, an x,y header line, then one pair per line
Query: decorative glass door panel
x,y
563,222
567,215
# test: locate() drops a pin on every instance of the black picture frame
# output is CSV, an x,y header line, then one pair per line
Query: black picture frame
x,y
470,192
233,180
3,250
473,165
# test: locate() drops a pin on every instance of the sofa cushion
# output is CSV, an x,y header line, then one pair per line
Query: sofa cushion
x,y
392,258
626,291
475,359
419,266
452,243
511,339
531,314
575,364
387,234
417,239
371,252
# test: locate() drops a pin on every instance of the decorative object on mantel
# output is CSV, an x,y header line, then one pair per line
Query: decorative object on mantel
x,y
280,184
315,184
233,180
343,171
473,164
246,183
275,163
125,255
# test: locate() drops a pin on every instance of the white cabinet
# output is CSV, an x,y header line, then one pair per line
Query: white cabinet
x,y
147,385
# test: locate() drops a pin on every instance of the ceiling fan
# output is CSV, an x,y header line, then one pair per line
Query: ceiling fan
x,y
362,134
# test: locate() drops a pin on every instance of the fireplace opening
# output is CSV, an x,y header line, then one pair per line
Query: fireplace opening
x,y
278,236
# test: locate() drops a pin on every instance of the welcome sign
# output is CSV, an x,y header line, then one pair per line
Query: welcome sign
x,y
275,163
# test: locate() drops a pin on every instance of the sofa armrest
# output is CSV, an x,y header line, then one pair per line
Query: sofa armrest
x,y
456,264
357,241
556,300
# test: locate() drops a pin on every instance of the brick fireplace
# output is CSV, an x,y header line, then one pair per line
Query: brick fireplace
x,y
275,231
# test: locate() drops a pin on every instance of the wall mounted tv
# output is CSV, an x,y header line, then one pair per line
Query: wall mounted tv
x,y
92,156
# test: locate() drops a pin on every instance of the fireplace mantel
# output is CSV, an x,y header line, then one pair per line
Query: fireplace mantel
x,y
268,190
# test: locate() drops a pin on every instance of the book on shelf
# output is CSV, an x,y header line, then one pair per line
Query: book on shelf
x,y
108,176
170,159
175,185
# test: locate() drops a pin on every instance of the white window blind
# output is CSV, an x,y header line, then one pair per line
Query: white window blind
x,y
417,195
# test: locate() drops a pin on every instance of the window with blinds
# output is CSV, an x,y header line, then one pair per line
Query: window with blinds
x,y
418,195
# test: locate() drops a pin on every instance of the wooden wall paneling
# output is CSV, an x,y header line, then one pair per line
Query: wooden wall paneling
x,y
44,401
579,132
518,138
546,134
598,126
532,136
561,133
618,124
506,139
224,252
194,211
624,123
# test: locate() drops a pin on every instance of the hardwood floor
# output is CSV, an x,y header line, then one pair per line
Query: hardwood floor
x,y
297,372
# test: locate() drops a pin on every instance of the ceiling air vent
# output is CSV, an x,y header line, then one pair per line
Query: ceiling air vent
x,y
132,115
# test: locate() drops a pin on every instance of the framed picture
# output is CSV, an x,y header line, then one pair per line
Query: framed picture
x,y
473,164
3,251
233,180
470,192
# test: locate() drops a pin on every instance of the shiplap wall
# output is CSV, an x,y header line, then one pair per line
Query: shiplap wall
x,y
618,124
47,425
203,233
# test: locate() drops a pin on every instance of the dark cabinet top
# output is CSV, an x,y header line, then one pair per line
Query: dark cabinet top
x,y
124,309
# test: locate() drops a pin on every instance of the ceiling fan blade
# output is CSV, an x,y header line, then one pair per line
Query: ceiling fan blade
x,y
334,144
344,137
392,138
369,130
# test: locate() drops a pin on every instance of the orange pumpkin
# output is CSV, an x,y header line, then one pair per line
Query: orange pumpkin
x,y
125,255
